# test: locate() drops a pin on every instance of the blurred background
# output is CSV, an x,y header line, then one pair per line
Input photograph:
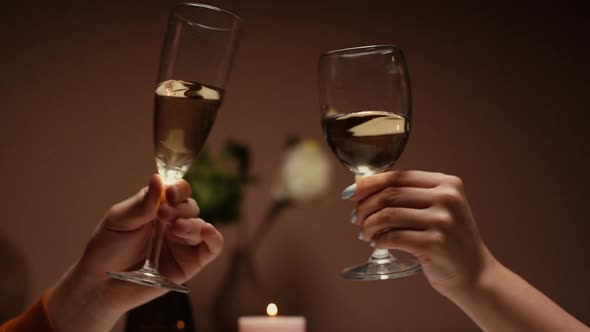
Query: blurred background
x,y
500,93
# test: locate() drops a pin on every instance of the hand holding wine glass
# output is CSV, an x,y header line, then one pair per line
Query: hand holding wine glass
x,y
366,112
426,214
195,64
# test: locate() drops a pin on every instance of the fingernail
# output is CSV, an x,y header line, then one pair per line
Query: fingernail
x,y
349,191
353,216
361,236
372,243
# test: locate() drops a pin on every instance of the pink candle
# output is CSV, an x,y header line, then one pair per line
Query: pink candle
x,y
272,322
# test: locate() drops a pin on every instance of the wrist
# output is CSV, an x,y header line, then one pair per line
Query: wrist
x,y
484,282
76,303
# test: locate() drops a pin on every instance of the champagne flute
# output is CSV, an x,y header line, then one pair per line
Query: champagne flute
x,y
366,111
195,63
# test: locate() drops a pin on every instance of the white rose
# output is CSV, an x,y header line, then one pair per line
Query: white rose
x,y
305,173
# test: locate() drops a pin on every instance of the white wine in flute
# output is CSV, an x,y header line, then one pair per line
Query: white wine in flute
x,y
184,115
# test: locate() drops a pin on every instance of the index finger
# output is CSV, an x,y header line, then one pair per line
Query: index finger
x,y
369,185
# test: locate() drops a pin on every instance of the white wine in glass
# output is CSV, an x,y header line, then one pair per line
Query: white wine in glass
x,y
367,142
195,63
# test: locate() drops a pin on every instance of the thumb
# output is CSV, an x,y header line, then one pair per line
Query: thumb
x,y
137,210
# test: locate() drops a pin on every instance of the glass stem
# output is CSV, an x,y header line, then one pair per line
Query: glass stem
x,y
381,254
153,256
378,254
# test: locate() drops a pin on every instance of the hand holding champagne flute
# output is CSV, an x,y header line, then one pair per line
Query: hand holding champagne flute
x,y
194,66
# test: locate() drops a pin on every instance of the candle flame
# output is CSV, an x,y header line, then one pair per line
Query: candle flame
x,y
272,309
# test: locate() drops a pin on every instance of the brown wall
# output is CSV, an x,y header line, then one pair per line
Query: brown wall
x,y
499,99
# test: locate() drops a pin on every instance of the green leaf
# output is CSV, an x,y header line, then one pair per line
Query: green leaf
x,y
218,189
240,153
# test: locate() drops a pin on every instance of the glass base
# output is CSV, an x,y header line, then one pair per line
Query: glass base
x,y
383,269
148,277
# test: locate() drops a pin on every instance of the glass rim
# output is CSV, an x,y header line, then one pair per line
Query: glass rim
x,y
176,11
361,50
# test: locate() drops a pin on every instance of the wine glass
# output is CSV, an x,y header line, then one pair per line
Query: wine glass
x,y
366,112
195,63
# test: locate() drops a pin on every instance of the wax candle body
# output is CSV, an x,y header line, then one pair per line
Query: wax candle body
x,y
271,324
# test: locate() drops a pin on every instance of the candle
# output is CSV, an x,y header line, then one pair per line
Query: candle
x,y
271,322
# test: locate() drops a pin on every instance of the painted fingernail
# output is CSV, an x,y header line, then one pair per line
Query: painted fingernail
x,y
372,243
349,191
361,236
353,216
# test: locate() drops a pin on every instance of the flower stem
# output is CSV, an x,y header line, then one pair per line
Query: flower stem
x,y
269,219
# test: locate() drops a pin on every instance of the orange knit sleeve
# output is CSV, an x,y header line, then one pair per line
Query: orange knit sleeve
x,y
36,318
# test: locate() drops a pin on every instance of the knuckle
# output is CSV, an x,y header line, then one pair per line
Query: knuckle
x,y
113,211
442,218
377,218
449,196
195,207
392,177
371,227
389,196
393,195
454,181
387,214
